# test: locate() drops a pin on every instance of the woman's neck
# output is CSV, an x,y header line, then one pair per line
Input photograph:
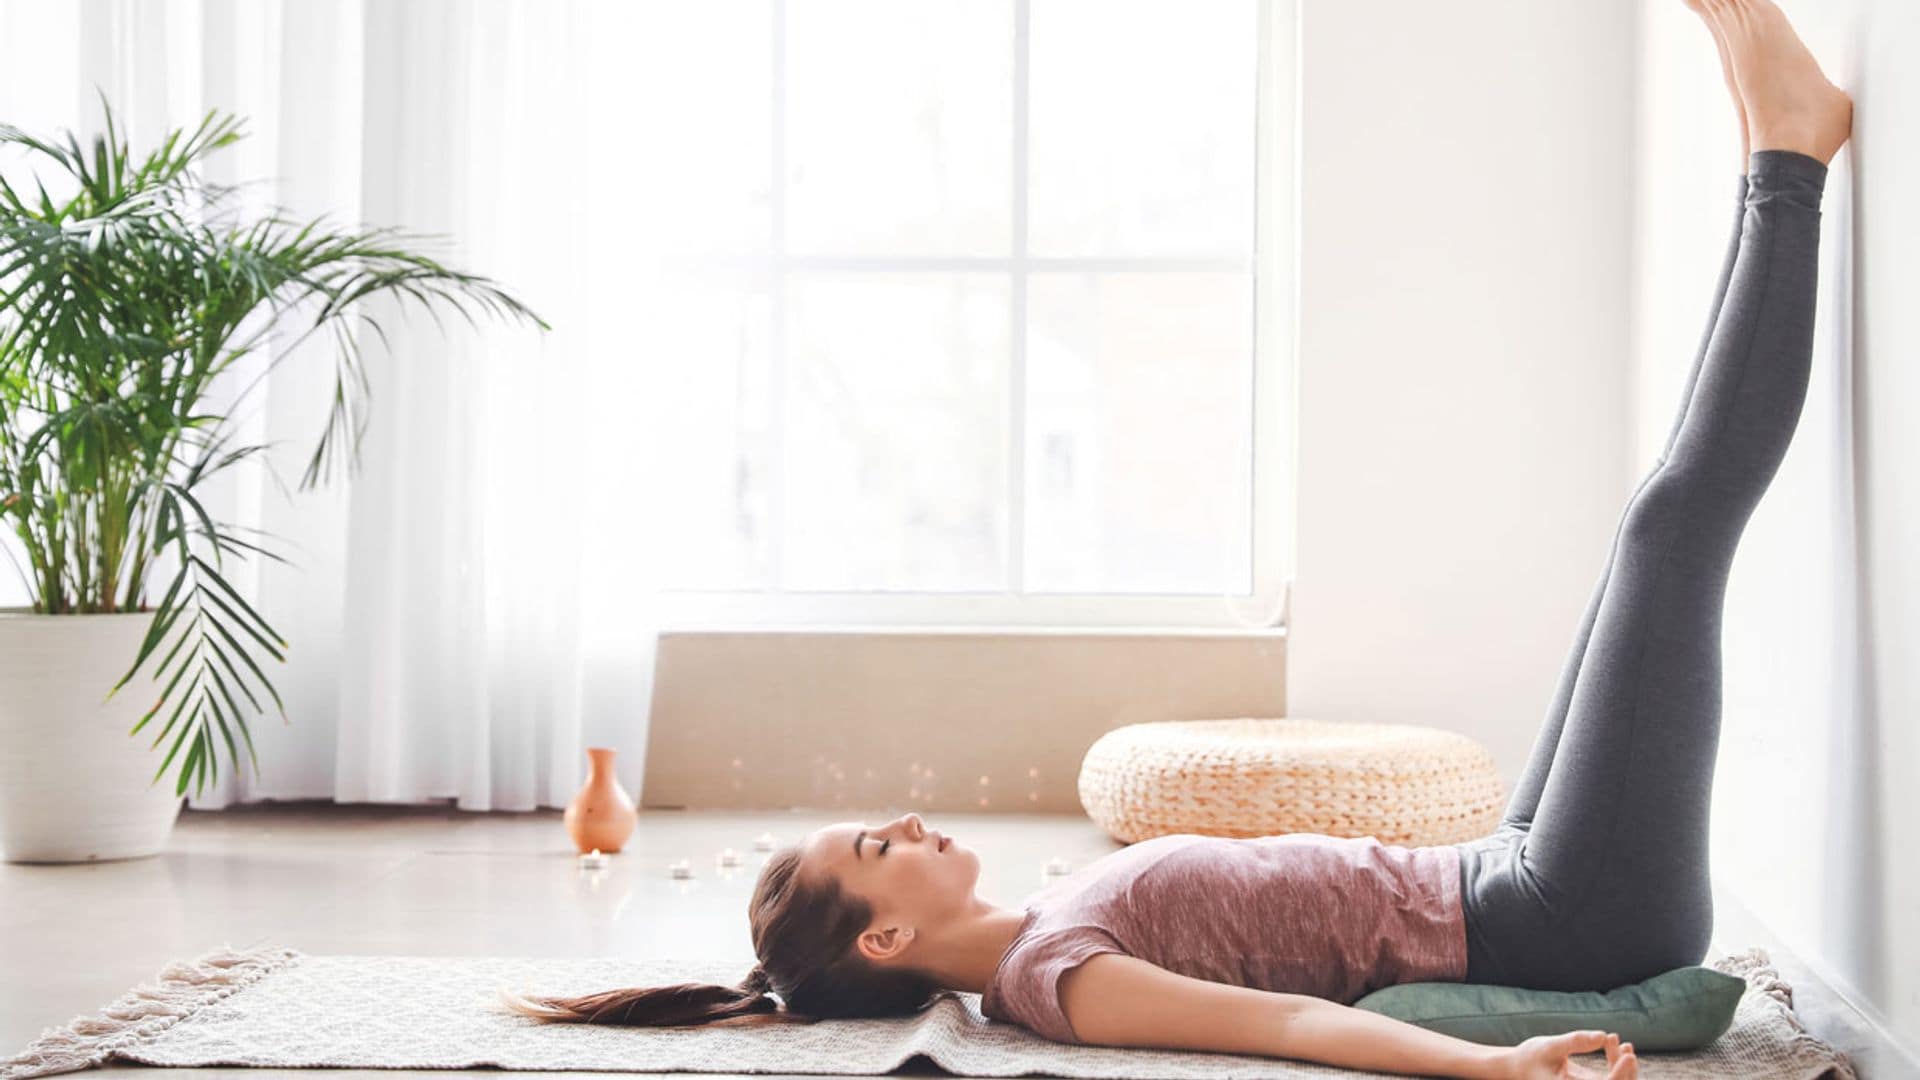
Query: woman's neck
x,y
969,949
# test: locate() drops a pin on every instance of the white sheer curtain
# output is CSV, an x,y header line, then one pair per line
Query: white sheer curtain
x,y
473,608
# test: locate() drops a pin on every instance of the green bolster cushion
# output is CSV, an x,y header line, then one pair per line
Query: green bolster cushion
x,y
1683,1009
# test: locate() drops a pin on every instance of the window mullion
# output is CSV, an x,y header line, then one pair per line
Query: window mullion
x,y
777,307
1016,544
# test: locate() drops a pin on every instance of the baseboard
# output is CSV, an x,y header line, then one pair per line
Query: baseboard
x,y
1866,1035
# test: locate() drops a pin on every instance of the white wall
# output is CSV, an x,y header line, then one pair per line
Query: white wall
x,y
1463,412
1816,797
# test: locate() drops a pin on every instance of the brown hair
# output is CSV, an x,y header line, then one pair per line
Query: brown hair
x,y
803,933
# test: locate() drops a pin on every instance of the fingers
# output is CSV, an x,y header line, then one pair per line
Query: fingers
x,y
1621,1062
1615,1048
1581,1042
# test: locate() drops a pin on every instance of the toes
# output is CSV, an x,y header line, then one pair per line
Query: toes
x,y
1735,13
1723,14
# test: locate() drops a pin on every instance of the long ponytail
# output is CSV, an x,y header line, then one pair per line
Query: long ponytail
x,y
661,1006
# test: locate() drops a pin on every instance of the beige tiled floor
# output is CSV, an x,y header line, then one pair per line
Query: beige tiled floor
x,y
432,881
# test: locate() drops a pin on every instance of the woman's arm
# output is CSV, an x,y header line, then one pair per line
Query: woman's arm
x,y
1118,1000
1320,1030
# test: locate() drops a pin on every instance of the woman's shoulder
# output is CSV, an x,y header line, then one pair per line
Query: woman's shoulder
x,y
1025,986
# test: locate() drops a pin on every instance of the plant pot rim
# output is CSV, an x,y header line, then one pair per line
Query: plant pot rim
x,y
26,613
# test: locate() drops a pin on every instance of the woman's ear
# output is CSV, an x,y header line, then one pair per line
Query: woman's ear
x,y
883,945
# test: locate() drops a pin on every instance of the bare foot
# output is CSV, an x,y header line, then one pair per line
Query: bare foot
x,y
1790,104
1699,8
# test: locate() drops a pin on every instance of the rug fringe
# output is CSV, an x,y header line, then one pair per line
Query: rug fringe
x,y
1755,965
180,990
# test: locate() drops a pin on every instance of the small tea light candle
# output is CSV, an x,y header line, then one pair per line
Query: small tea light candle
x,y
729,857
680,868
593,860
763,842
1057,866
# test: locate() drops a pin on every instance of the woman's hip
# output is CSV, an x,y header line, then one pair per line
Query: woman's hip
x,y
1521,932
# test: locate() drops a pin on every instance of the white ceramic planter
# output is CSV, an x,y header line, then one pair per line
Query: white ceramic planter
x,y
74,786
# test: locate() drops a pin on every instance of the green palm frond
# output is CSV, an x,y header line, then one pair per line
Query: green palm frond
x,y
120,301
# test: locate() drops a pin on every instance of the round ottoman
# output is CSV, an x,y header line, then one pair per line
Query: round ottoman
x,y
1399,783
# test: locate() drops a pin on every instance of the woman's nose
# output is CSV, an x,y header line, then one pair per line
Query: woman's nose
x,y
918,828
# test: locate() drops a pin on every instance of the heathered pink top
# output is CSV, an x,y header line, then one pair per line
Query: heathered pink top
x,y
1299,913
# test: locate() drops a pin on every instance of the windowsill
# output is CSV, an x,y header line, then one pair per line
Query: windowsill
x,y
1012,630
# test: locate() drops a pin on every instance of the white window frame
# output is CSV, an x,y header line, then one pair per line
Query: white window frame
x,y
1272,475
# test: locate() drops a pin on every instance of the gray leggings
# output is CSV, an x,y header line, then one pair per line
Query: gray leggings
x,y
1597,876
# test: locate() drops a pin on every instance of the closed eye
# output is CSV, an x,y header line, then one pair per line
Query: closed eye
x,y
884,845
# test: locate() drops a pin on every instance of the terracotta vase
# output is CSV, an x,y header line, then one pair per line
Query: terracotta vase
x,y
602,814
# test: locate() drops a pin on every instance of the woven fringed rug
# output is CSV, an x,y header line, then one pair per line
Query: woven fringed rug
x,y
280,1008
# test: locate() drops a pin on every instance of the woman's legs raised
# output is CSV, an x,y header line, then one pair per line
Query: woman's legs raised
x,y
1619,840
1525,799
1610,884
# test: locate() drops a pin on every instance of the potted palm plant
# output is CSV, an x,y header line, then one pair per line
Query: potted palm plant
x,y
122,297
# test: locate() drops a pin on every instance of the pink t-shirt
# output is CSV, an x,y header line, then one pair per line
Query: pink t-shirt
x,y
1300,913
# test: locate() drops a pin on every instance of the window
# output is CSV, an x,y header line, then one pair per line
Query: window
x,y
982,307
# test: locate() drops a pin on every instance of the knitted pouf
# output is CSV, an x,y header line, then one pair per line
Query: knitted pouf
x,y
1399,783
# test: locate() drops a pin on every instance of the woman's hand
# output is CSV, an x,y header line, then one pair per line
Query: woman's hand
x,y
1549,1057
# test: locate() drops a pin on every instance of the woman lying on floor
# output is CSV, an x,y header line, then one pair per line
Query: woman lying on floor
x,y
1596,878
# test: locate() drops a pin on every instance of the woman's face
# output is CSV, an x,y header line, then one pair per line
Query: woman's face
x,y
899,868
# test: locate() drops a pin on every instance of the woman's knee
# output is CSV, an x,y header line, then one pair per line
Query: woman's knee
x,y
1663,503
